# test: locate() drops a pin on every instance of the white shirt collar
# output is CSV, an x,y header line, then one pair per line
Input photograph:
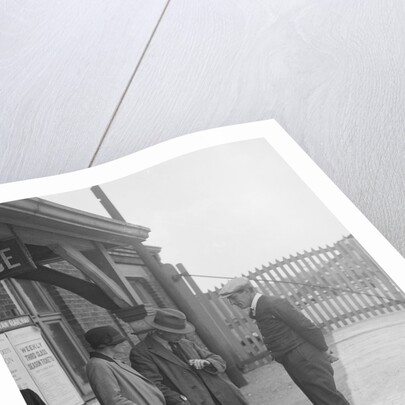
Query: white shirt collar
x,y
254,303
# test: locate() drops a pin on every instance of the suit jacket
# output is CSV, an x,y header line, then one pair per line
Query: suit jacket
x,y
115,383
284,328
175,377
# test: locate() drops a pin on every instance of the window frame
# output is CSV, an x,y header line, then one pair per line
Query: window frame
x,y
24,305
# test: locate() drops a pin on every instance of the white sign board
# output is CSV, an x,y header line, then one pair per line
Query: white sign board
x,y
16,367
43,366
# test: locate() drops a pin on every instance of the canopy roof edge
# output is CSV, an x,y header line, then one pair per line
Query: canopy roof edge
x,y
59,219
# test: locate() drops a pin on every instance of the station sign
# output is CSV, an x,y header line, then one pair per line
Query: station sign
x,y
15,323
14,258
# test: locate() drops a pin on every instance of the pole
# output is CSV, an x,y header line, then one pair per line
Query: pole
x,y
179,292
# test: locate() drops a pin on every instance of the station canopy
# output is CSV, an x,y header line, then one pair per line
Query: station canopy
x,y
35,233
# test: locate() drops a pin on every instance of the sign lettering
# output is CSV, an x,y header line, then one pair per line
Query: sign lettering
x,y
6,260
14,258
14,323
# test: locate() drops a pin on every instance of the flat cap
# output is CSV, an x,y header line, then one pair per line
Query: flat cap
x,y
233,286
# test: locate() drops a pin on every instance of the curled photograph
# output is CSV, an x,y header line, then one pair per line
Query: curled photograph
x,y
218,277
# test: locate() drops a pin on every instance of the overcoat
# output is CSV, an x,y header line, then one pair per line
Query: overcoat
x,y
284,328
299,345
175,377
115,383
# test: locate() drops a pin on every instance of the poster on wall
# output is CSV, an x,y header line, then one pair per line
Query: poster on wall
x,y
16,367
43,366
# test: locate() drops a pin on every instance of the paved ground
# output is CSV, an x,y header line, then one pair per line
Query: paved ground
x,y
371,369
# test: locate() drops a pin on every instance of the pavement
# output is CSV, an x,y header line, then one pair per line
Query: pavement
x,y
370,370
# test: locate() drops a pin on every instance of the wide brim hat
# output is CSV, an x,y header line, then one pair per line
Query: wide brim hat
x,y
169,320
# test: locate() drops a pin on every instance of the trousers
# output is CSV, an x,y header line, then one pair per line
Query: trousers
x,y
312,372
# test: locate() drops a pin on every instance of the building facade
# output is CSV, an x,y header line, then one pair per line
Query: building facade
x,y
63,272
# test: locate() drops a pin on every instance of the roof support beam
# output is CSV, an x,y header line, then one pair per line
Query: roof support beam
x,y
88,268
86,289
102,259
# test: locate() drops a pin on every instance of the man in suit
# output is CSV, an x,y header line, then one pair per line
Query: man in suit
x,y
186,373
113,382
293,340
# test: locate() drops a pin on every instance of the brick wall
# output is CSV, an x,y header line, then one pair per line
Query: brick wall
x,y
79,313
83,315
7,307
127,256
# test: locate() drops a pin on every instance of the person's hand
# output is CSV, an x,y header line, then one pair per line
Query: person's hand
x,y
198,364
184,400
330,356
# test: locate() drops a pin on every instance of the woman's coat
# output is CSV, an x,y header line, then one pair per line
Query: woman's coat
x,y
115,383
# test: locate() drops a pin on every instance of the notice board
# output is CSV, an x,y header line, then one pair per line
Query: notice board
x,y
34,366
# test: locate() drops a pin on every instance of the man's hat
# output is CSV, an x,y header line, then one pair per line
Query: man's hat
x,y
233,286
170,320
103,336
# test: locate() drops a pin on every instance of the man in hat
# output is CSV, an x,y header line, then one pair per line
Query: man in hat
x,y
113,382
293,340
186,373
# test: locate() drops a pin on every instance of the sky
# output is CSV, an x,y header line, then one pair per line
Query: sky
x,y
220,211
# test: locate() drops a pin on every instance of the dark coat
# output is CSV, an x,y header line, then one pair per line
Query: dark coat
x,y
31,397
284,328
174,377
299,345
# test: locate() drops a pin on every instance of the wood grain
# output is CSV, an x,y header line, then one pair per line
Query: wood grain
x,y
63,68
330,72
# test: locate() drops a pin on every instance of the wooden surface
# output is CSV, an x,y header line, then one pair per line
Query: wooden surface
x,y
64,66
85,82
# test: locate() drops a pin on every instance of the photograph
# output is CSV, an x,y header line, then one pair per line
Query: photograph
x,y
219,276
